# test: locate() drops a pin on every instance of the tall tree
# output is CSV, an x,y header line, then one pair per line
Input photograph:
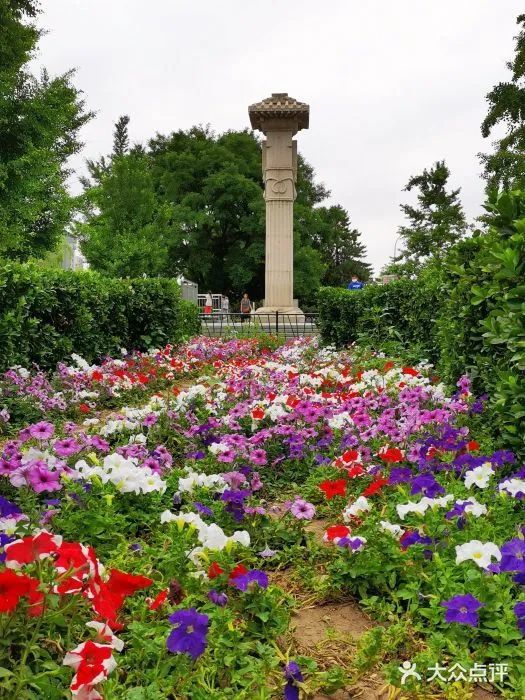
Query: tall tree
x,y
505,167
436,222
342,250
39,124
121,136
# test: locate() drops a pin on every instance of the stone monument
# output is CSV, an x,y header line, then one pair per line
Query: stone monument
x,y
279,117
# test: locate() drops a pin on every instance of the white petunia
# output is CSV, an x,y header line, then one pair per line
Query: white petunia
x,y
394,529
423,505
513,486
479,552
473,507
479,476
358,507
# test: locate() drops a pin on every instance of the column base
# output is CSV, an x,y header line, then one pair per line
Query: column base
x,y
291,310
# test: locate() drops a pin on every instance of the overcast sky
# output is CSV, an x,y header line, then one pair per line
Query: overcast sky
x,y
393,85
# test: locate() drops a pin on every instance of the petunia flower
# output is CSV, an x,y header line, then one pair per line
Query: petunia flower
x,y
513,555
302,510
479,552
189,634
463,609
333,488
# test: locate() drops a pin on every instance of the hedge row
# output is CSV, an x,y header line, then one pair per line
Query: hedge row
x,y
467,316
404,311
45,315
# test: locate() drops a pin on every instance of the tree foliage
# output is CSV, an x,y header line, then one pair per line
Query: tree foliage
x,y
436,222
39,124
192,203
505,167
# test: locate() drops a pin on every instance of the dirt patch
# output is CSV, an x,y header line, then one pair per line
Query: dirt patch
x,y
481,694
313,625
318,527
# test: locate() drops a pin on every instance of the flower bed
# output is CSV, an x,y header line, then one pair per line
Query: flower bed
x,y
142,519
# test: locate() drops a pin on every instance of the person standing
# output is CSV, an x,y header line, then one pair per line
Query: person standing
x,y
225,305
246,308
355,283
208,303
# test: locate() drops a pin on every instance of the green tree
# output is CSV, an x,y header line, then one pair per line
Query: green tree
x,y
435,223
126,231
341,248
39,124
505,167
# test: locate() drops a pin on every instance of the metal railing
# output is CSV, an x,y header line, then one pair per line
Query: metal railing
x,y
289,325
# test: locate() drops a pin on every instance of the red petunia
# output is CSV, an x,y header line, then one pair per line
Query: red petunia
x,y
410,371
333,488
374,487
121,584
84,408
350,456
239,570
97,375
159,600
388,366
336,531
258,413
35,598
214,570
29,549
354,471
13,587
391,454
473,445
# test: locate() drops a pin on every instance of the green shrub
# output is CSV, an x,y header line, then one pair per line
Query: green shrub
x,y
46,314
482,328
404,311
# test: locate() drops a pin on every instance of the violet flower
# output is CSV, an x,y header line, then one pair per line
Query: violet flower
x,y
463,609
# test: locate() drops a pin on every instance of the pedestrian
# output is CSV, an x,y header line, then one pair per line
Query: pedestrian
x,y
355,283
208,303
225,305
246,308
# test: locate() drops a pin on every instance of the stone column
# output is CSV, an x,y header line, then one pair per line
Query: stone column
x,y
279,117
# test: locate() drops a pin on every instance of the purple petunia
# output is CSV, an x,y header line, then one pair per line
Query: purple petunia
x,y
302,510
189,634
513,555
220,599
519,611
7,508
293,675
249,579
201,508
463,609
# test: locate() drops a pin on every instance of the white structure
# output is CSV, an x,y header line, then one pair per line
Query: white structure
x,y
73,258
279,117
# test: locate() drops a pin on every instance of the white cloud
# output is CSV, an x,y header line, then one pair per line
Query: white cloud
x,y
392,86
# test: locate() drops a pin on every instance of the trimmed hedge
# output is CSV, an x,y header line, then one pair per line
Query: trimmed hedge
x,y
45,315
404,311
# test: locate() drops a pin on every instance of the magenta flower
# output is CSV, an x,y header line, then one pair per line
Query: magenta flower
x,y
302,510
42,479
66,447
258,457
42,430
